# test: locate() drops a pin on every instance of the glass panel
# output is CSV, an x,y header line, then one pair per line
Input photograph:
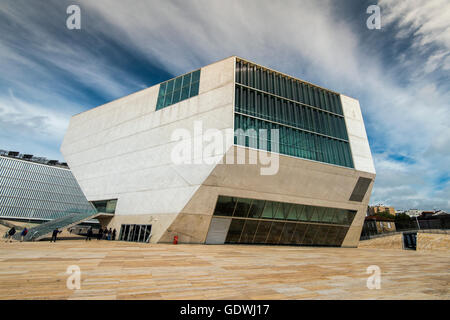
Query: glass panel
x,y
168,99
184,93
282,211
320,213
310,234
269,210
186,80
195,76
341,235
170,85
160,102
137,230
249,231
275,232
341,216
293,212
142,233
315,214
328,215
176,96
194,89
320,238
331,236
256,209
162,89
178,82
235,230
225,206
262,232
287,233
242,208
299,233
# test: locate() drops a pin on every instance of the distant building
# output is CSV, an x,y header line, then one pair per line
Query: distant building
x,y
373,210
374,225
413,212
427,214
35,191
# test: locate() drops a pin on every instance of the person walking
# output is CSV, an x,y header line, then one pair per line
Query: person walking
x,y
114,234
11,233
105,233
23,234
100,234
109,234
89,234
55,234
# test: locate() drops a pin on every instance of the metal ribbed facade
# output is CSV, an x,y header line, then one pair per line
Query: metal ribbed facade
x,y
309,119
34,191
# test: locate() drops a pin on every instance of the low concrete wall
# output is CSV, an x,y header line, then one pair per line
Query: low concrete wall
x,y
390,242
431,241
425,241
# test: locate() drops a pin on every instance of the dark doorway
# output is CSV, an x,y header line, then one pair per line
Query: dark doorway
x,y
409,241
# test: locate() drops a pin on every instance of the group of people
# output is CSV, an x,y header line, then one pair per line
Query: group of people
x,y
10,234
106,234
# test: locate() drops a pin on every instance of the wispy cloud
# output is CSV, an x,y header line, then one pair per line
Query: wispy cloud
x,y
399,74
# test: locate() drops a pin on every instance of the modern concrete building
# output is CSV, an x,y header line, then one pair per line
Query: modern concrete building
x,y
285,162
373,210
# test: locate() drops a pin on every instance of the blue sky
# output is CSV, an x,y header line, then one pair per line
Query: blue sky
x,y
400,73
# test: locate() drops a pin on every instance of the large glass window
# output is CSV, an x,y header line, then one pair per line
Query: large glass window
x,y
105,206
271,222
178,89
309,119
135,232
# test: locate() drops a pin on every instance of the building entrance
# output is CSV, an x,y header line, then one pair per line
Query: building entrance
x,y
135,232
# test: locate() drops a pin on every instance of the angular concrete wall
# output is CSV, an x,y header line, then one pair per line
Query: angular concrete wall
x,y
359,144
297,181
123,149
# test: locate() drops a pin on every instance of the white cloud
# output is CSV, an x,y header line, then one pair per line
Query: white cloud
x,y
303,38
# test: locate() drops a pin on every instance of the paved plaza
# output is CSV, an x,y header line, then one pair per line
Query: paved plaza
x,y
121,270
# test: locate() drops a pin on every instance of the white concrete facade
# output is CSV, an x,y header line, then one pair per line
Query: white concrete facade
x,y
122,150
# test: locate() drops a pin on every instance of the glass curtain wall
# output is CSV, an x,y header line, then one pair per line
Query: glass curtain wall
x,y
310,120
270,222
35,191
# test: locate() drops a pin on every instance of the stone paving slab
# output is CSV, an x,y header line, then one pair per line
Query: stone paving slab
x,y
120,270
